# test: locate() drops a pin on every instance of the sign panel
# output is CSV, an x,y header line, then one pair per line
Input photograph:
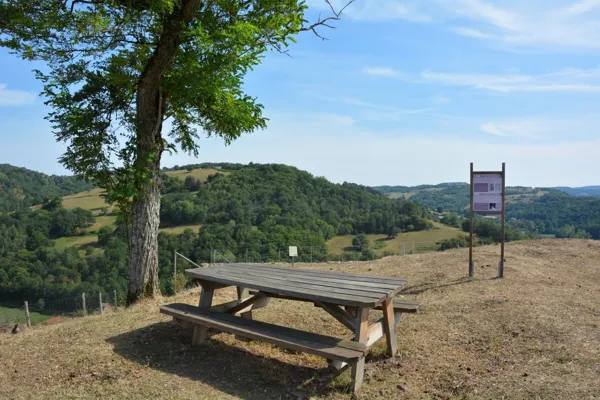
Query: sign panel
x,y
293,251
487,192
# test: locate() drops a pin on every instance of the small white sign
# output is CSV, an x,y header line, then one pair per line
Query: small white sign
x,y
293,251
487,192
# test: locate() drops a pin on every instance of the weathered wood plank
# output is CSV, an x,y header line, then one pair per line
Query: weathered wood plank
x,y
338,313
249,304
291,273
389,326
278,288
404,305
294,282
201,332
361,336
333,274
324,346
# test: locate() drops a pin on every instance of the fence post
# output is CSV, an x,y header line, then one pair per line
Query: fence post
x,y
27,316
83,304
100,300
246,254
413,248
311,254
174,263
279,250
212,254
115,296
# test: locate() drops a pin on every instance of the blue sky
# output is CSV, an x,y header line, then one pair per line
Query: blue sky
x,y
403,92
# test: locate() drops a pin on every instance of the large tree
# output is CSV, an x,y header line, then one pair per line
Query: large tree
x,y
116,72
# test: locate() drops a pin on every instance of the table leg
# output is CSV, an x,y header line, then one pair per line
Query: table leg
x,y
361,335
201,332
244,293
389,326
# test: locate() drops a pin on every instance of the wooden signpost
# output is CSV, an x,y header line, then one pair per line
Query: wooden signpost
x,y
488,197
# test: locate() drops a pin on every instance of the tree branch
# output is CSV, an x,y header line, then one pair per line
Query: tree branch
x,y
323,22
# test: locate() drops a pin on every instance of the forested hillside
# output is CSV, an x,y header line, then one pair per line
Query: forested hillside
x,y
21,188
242,211
545,211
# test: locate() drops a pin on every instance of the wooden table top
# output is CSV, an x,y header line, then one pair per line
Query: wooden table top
x,y
338,288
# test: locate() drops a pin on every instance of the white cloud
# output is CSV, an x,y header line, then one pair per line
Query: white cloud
x,y
376,10
540,25
582,7
15,97
430,157
380,71
569,80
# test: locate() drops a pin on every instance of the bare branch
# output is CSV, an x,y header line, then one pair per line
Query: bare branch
x,y
323,22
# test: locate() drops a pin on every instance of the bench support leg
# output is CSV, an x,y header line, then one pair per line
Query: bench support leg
x,y
242,294
201,332
389,327
361,335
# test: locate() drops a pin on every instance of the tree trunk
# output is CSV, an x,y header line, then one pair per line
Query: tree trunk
x,y
143,243
150,109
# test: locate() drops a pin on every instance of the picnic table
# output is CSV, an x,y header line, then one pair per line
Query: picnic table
x,y
349,298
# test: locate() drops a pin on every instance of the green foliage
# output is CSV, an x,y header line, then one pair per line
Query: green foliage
x,y
21,188
103,57
361,243
454,243
451,220
178,283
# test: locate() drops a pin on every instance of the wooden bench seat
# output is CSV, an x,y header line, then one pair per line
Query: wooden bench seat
x,y
404,306
324,346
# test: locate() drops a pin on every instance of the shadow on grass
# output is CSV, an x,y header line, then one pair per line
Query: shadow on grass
x,y
166,347
423,287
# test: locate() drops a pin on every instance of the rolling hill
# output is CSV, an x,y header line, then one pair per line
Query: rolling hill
x,y
21,188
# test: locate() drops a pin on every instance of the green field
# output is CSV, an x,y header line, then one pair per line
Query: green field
x,y
9,316
441,232
176,230
200,173
78,241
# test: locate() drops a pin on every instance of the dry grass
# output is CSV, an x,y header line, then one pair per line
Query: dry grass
x,y
533,335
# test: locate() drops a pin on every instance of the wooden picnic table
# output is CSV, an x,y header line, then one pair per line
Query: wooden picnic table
x,y
347,297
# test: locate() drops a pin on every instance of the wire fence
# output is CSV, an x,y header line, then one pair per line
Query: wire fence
x,y
53,311
315,254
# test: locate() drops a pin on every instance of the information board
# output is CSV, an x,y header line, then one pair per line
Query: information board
x,y
487,193
293,251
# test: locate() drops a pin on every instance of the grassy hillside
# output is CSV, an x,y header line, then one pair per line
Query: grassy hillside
x,y
21,188
533,335
92,200
9,316
441,232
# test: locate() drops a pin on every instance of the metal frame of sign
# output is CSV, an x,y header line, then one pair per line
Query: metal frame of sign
x,y
502,214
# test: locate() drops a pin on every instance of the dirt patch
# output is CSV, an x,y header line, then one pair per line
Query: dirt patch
x,y
53,320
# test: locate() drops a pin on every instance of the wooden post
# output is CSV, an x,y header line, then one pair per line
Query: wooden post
x,y
246,254
100,301
361,335
115,296
501,265
413,247
389,327
311,254
83,304
27,316
471,263
174,263
201,332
